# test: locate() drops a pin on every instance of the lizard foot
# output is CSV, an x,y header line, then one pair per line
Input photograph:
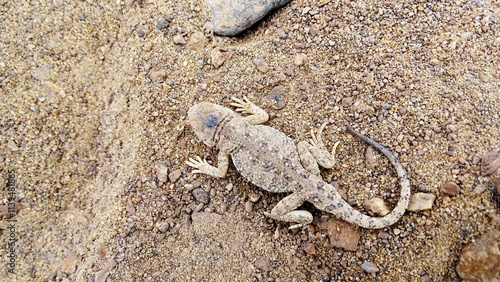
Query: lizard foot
x,y
202,166
317,142
255,115
244,106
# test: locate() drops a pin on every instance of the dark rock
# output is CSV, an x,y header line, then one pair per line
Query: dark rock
x,y
162,24
201,195
277,95
230,17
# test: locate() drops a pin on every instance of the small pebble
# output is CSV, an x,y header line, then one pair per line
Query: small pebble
x,y
201,195
174,175
254,197
348,101
384,235
281,104
179,39
370,79
425,278
490,162
162,24
102,275
163,226
69,263
369,267
396,231
476,159
421,201
58,3
217,58
400,87
276,95
341,234
300,59
450,188
141,33
12,146
248,206
161,172
261,65
281,33
197,40
158,76
263,264
42,73
480,188
370,158
309,248
376,206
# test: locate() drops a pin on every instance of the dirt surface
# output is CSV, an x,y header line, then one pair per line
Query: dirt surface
x,y
93,109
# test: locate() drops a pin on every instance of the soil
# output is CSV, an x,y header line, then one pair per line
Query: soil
x,y
93,102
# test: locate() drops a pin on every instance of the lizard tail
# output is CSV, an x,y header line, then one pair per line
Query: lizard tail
x,y
351,215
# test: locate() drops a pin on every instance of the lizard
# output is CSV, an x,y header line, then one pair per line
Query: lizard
x,y
270,159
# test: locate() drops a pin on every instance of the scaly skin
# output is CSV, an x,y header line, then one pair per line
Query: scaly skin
x,y
269,159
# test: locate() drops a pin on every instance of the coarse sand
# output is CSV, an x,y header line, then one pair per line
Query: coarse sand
x,y
94,137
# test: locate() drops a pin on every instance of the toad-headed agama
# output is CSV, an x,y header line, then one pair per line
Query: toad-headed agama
x,y
269,159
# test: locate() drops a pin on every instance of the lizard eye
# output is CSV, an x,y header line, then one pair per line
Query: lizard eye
x,y
210,121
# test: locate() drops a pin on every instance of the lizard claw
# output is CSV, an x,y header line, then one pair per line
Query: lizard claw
x,y
199,164
316,140
335,148
244,106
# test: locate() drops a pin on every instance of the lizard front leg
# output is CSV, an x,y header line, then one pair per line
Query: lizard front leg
x,y
314,153
203,167
256,115
285,211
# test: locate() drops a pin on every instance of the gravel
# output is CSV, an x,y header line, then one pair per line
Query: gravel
x,y
102,121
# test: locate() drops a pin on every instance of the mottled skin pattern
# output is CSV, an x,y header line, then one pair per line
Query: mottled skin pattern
x,y
269,159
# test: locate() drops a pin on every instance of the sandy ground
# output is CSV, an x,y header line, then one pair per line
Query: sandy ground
x,y
94,97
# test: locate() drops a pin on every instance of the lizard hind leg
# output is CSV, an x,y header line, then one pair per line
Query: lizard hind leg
x,y
307,159
314,153
285,211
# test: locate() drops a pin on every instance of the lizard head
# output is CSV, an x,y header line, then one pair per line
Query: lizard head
x,y
205,119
